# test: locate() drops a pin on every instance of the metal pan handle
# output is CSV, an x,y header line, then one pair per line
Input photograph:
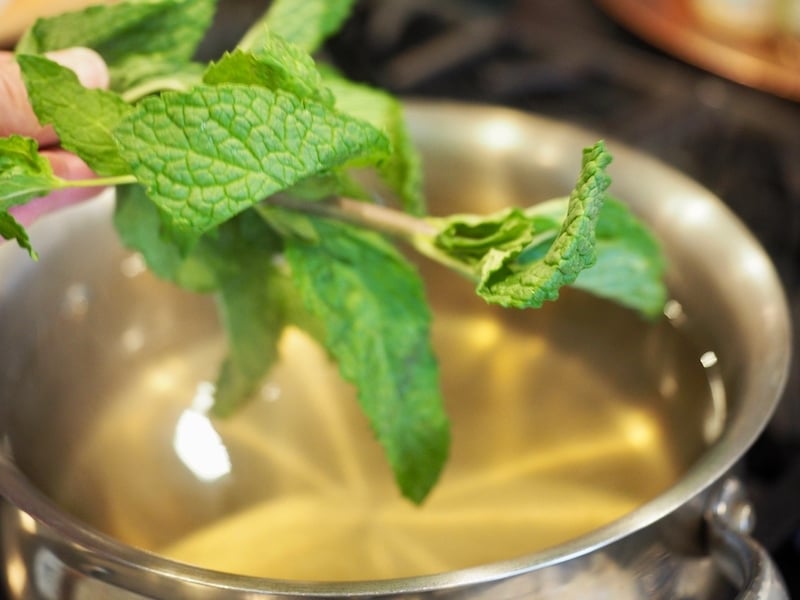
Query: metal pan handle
x,y
739,557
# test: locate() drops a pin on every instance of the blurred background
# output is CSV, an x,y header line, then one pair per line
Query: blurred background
x,y
711,87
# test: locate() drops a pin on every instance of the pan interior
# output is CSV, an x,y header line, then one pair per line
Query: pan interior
x,y
564,419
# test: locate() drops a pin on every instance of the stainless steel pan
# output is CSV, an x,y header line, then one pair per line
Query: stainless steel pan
x,y
61,321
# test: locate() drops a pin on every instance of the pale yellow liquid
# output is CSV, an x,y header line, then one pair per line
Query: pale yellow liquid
x,y
559,427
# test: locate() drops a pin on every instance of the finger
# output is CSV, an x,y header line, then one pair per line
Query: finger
x,y
65,165
16,114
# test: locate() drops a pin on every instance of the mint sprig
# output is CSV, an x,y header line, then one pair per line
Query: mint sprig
x,y
231,179
376,325
206,155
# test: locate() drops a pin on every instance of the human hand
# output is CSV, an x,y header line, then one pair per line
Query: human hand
x,y
17,117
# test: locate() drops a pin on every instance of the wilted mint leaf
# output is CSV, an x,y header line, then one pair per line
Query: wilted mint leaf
x,y
206,155
468,238
24,173
372,307
629,268
83,118
505,281
162,29
306,24
402,168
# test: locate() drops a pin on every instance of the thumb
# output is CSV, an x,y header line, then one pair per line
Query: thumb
x,y
16,114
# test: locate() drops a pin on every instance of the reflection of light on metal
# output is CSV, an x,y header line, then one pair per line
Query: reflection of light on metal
x,y
500,134
754,264
76,301
271,392
16,575
708,359
27,523
639,430
197,443
133,339
717,414
673,310
167,375
697,213
484,334
133,265
48,574
161,380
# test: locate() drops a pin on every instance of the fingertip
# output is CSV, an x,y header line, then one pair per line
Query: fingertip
x,y
87,64
67,165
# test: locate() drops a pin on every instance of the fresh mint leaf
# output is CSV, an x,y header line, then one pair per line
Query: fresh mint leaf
x,y
24,173
377,326
252,295
276,65
402,168
82,118
306,24
143,75
236,262
206,155
10,229
169,255
168,30
630,267
505,281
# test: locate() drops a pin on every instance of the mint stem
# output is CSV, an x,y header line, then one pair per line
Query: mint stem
x,y
372,216
419,232
97,182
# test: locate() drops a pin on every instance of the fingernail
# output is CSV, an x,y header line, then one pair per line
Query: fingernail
x,y
86,63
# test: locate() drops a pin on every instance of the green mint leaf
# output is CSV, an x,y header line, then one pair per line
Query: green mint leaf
x,y
141,76
250,307
252,297
235,261
83,118
207,155
276,65
142,227
306,24
166,29
376,321
468,238
630,267
506,281
24,173
401,170
10,229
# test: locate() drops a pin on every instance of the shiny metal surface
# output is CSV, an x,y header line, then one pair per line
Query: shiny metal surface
x,y
485,158
745,562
